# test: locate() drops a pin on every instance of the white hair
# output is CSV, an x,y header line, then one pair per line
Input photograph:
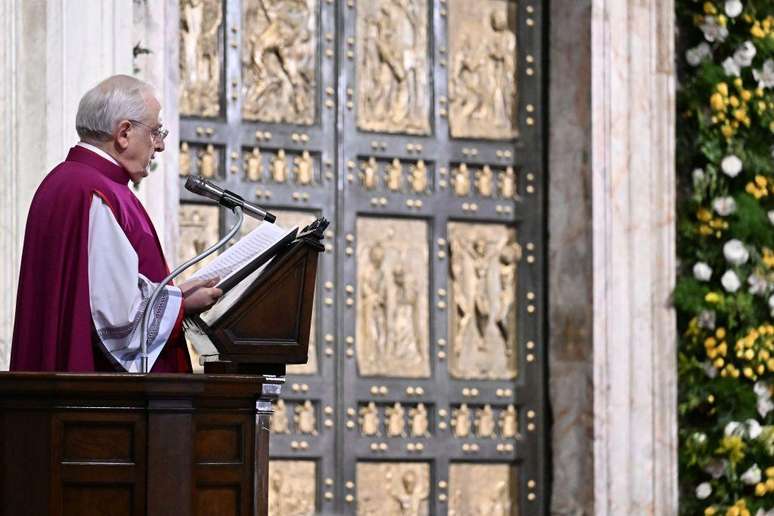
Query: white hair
x,y
103,107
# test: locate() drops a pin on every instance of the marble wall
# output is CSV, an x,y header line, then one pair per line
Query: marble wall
x,y
570,368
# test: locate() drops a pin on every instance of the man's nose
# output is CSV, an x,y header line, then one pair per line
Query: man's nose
x,y
159,146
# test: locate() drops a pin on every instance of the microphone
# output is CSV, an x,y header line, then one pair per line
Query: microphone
x,y
226,198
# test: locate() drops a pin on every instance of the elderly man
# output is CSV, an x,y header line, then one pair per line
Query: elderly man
x,y
91,256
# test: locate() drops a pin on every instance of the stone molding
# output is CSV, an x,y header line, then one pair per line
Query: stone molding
x,y
633,191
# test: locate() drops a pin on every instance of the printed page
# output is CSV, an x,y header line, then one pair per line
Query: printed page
x,y
248,247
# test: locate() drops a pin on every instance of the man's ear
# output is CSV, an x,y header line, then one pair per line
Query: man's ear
x,y
122,134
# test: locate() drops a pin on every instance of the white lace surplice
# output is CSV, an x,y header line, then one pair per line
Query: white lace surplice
x,y
119,293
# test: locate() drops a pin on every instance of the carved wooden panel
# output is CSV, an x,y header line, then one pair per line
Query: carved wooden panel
x,y
483,279
279,44
201,57
392,335
392,67
490,489
393,488
482,69
292,487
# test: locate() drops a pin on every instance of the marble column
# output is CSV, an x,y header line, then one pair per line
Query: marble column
x,y
51,52
156,30
633,193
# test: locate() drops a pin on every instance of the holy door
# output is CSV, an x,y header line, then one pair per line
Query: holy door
x,y
415,126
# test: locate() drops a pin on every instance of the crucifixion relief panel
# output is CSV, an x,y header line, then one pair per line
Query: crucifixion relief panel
x,y
414,126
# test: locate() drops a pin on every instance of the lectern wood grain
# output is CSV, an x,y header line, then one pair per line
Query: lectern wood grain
x,y
120,444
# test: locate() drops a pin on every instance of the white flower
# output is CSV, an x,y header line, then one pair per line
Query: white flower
x,y
703,490
735,252
752,428
765,76
731,67
698,174
752,476
712,30
733,428
731,165
733,8
716,468
762,512
724,206
764,406
699,53
761,389
758,284
743,56
702,271
771,304
771,216
699,437
730,281
707,319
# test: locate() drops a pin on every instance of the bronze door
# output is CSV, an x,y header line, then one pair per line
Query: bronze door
x,y
415,126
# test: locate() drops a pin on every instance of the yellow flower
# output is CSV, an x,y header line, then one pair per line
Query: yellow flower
x,y
770,364
757,32
709,8
748,372
712,297
734,101
770,484
728,132
746,95
760,181
710,511
722,20
717,102
722,349
770,472
722,88
733,511
718,363
704,215
758,92
760,489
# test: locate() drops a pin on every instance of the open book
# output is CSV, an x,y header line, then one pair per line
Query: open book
x,y
252,251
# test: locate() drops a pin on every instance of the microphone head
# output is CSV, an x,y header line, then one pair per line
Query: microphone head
x,y
195,184
201,186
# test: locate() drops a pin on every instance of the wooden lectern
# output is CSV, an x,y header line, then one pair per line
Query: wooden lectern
x,y
163,445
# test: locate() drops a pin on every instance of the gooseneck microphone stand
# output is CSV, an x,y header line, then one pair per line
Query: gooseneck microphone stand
x,y
172,275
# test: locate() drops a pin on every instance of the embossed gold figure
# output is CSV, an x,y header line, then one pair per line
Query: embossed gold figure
x,y
508,422
485,181
373,303
393,488
410,497
482,73
306,422
200,23
394,175
279,419
485,422
208,162
392,313
185,160
369,420
395,420
419,423
482,325
392,69
461,421
292,487
279,167
369,175
419,177
279,45
254,165
478,489
198,227
508,183
461,180
304,169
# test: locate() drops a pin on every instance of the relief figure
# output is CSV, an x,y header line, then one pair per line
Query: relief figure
x,y
200,23
392,66
392,311
394,175
279,419
395,420
393,488
419,177
279,167
254,165
278,61
304,169
185,160
508,422
482,323
482,489
306,422
461,180
508,183
419,423
369,175
485,422
485,181
292,487
461,421
208,162
482,76
369,420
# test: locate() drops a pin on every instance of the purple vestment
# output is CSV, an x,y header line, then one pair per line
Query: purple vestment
x,y
53,330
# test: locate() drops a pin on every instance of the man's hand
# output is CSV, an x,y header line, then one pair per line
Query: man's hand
x,y
199,295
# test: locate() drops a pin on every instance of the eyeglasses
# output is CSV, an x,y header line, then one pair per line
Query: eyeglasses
x,y
157,133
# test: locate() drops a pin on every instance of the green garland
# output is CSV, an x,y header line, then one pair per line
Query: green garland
x,y
725,287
